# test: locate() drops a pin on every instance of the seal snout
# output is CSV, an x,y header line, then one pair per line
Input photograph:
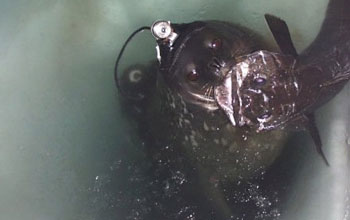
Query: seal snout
x,y
218,69
215,64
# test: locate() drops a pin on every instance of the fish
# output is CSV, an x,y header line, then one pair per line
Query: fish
x,y
277,90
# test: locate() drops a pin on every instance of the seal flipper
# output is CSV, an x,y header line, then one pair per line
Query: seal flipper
x,y
281,34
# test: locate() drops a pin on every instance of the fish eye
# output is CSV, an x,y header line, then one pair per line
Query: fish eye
x,y
192,75
265,116
260,81
216,44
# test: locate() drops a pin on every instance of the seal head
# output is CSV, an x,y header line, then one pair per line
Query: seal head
x,y
198,58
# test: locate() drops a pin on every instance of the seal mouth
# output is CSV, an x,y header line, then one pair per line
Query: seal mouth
x,y
206,101
218,95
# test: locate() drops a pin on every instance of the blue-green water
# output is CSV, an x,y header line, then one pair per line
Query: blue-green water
x,y
62,135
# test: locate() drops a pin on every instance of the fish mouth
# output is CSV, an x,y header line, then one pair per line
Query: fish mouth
x,y
226,93
203,100
225,99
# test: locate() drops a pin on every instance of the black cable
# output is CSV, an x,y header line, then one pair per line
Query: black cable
x,y
141,29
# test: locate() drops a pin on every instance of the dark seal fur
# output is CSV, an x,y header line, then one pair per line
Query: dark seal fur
x,y
182,112
184,128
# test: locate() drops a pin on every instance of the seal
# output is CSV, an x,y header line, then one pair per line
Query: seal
x,y
183,111
218,107
182,122
191,68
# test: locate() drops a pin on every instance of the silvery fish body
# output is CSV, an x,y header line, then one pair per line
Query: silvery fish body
x,y
270,90
273,90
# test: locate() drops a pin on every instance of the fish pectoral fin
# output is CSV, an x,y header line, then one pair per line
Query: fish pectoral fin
x,y
280,32
310,125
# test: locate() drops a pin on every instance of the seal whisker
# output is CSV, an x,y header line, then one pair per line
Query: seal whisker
x,y
209,91
204,86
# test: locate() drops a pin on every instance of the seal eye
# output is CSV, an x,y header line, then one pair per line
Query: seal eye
x,y
216,44
260,81
193,75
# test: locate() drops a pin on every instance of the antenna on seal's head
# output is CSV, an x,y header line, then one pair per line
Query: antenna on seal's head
x,y
164,33
141,29
161,31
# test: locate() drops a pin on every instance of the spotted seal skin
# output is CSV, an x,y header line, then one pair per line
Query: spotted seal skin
x,y
202,146
186,113
179,116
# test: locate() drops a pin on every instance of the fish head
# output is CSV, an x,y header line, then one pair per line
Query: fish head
x,y
260,91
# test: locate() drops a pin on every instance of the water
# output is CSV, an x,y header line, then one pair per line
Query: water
x,y
66,147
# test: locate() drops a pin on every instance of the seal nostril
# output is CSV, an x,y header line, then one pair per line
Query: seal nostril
x,y
216,61
215,64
